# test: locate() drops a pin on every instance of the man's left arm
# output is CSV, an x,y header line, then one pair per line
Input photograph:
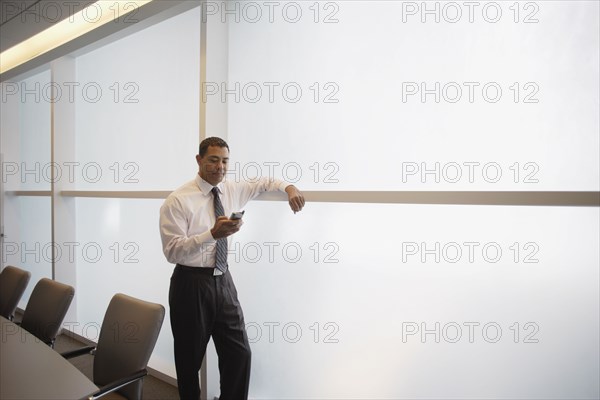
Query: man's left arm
x,y
252,189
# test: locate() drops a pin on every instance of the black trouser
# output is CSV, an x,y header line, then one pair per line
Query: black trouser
x,y
203,305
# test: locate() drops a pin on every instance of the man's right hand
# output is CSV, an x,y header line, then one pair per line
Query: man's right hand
x,y
225,227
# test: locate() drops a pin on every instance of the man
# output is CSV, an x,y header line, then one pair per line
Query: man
x,y
194,228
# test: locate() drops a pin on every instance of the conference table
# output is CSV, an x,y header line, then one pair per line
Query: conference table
x,y
30,369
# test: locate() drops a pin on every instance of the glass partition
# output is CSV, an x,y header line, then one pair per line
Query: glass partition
x,y
137,129
408,301
389,301
397,95
137,119
118,250
28,244
26,166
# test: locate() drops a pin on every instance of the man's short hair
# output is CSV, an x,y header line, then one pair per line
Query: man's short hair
x,y
211,141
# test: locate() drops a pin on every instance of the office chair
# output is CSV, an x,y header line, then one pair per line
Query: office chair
x,y
46,309
127,337
13,282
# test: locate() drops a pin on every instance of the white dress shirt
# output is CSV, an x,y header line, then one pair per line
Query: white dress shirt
x,y
187,216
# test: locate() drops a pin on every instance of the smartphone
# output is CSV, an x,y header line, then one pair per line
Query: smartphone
x,y
237,215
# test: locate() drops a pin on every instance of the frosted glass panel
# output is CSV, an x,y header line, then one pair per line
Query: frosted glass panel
x,y
137,115
419,302
25,148
394,95
119,251
28,243
25,116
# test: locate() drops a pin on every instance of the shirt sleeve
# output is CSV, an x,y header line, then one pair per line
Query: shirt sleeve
x,y
250,190
177,245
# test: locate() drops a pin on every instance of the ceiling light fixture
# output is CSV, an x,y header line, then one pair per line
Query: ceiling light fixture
x,y
76,25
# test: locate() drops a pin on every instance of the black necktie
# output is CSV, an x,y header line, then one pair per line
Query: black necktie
x,y
221,253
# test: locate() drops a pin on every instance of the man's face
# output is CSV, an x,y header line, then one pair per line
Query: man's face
x,y
213,165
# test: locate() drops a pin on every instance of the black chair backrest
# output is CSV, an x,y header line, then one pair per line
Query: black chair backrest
x,y
13,282
129,332
46,309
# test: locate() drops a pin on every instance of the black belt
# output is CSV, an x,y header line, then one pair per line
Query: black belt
x,y
196,270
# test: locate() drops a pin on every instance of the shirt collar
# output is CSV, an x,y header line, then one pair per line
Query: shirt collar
x,y
204,186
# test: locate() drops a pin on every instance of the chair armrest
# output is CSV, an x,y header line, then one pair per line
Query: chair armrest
x,y
78,352
118,384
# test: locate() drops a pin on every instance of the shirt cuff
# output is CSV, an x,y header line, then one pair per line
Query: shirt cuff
x,y
206,237
283,185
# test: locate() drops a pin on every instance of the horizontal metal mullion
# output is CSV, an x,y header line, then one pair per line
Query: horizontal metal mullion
x,y
498,198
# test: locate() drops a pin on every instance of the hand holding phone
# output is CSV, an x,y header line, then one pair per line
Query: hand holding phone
x,y
237,215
